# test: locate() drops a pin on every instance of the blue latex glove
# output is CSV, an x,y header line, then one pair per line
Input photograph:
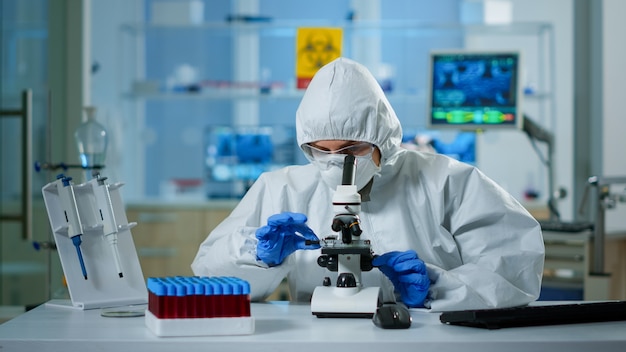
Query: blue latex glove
x,y
408,275
284,234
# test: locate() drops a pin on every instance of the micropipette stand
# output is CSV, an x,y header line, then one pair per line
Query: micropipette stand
x,y
348,256
110,274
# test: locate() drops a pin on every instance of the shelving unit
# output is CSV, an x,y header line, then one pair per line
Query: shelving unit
x,y
245,53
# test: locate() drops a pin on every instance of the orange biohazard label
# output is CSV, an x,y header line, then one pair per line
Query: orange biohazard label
x,y
315,47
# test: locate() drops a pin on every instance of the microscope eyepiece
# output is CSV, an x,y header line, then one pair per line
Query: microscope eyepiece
x,y
349,170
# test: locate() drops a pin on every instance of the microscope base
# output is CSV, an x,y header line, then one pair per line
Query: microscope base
x,y
339,302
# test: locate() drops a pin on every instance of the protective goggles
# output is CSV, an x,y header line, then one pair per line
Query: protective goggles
x,y
358,149
329,158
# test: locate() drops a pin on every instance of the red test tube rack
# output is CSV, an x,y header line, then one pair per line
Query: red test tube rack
x,y
198,306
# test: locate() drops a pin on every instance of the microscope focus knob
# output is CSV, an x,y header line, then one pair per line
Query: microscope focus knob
x,y
366,262
322,261
346,280
326,282
337,225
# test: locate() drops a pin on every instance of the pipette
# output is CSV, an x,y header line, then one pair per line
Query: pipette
x,y
75,229
107,215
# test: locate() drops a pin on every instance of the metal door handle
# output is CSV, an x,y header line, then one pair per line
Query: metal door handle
x,y
26,117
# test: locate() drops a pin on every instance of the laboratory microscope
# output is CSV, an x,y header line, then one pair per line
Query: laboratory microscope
x,y
347,255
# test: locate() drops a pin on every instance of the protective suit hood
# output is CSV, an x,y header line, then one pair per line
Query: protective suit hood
x,y
345,102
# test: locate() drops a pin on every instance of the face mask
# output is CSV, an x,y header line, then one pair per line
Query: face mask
x,y
331,169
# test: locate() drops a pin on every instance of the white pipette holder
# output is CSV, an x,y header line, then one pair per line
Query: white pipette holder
x,y
104,287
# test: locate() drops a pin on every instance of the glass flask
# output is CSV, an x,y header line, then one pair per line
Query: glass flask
x,y
91,140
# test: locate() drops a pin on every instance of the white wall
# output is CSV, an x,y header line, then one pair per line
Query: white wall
x,y
613,143
614,94
613,97
560,14
508,156
111,80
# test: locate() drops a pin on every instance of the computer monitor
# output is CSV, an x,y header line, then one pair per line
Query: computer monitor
x,y
474,90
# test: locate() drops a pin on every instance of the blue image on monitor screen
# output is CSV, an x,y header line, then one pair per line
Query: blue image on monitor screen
x,y
235,157
474,90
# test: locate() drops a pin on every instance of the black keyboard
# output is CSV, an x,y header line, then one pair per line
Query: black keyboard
x,y
536,315
559,226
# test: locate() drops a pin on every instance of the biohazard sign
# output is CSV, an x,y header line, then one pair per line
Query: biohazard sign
x,y
315,47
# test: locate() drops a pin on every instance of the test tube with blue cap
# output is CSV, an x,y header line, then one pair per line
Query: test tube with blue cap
x,y
72,216
198,309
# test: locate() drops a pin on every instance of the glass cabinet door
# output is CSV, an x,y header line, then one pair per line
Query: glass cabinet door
x,y
26,251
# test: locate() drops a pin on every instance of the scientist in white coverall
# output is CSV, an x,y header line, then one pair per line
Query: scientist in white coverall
x,y
445,236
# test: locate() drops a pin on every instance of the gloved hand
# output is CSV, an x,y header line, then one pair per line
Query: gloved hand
x,y
284,234
408,275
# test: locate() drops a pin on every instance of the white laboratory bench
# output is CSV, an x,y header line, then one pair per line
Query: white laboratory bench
x,y
283,326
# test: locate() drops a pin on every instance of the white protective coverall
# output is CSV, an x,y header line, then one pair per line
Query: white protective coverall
x,y
482,249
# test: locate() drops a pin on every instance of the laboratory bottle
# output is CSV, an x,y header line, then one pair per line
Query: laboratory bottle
x,y
91,140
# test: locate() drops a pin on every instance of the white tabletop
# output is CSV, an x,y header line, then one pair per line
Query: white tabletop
x,y
282,326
